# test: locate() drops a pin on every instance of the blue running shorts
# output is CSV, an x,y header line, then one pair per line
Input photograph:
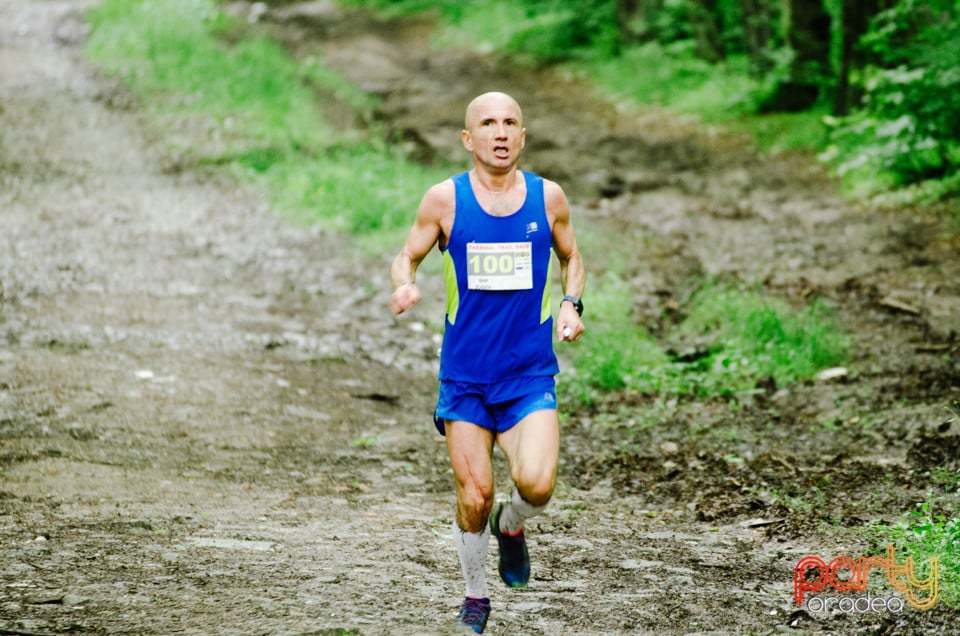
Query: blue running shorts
x,y
497,406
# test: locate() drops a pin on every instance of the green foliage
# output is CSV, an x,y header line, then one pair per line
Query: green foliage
x,y
954,410
250,108
549,30
908,131
924,534
450,9
168,52
359,189
925,192
618,353
649,57
743,337
904,137
670,23
488,27
762,336
568,28
673,77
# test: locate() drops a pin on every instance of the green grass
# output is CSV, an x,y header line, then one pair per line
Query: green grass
x,y
924,534
358,189
617,354
761,336
483,27
252,110
169,53
672,76
718,94
742,337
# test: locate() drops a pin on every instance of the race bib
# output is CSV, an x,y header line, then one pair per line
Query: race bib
x,y
500,266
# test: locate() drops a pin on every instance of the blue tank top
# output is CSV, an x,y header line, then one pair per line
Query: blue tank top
x,y
497,272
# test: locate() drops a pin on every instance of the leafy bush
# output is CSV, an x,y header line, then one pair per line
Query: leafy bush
x,y
548,31
908,130
568,28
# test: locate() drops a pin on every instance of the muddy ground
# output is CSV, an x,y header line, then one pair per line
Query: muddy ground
x,y
210,424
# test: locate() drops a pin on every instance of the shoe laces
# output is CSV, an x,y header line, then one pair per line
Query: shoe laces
x,y
474,609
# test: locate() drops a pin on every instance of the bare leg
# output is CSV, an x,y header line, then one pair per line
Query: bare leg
x,y
533,447
471,448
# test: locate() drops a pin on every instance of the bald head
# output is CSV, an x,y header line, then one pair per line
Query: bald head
x,y
492,99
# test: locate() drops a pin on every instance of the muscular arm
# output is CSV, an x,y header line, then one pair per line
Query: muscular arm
x,y
573,276
426,231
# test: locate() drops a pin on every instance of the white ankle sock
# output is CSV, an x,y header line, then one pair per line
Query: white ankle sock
x,y
472,550
516,513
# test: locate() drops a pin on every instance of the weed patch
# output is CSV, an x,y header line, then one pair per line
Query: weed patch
x,y
731,341
924,534
250,109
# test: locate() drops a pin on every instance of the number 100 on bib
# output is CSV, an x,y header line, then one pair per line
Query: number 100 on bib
x,y
500,266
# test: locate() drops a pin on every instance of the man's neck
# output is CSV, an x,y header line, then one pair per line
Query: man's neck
x,y
495,183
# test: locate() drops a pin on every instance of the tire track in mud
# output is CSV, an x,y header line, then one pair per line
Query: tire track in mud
x,y
209,423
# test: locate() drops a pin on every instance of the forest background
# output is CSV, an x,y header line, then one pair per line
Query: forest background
x,y
869,84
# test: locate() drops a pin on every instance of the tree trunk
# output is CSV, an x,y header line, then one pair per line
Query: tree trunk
x,y
807,29
706,27
758,32
636,19
626,14
856,19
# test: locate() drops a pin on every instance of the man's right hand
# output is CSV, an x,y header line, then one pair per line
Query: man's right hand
x,y
404,297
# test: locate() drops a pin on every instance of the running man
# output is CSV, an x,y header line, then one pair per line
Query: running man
x,y
496,226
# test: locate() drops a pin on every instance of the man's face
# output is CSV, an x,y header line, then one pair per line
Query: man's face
x,y
495,133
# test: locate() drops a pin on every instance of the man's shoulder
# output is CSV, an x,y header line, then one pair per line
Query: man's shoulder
x,y
439,203
442,192
547,183
553,193
449,184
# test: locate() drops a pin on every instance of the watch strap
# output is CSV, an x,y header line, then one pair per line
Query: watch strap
x,y
577,303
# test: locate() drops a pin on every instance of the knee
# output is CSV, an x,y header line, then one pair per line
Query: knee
x,y
537,489
476,500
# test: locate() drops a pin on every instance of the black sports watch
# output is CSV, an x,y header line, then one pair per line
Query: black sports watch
x,y
577,303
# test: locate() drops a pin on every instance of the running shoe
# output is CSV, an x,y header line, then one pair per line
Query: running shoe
x,y
473,614
514,565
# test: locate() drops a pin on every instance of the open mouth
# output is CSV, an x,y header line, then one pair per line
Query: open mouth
x,y
501,151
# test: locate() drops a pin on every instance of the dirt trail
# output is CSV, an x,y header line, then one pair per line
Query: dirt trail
x,y
209,423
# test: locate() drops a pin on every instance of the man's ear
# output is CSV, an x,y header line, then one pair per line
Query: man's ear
x,y
523,137
467,139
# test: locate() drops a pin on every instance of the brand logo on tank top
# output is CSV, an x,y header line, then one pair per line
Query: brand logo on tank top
x,y
532,227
